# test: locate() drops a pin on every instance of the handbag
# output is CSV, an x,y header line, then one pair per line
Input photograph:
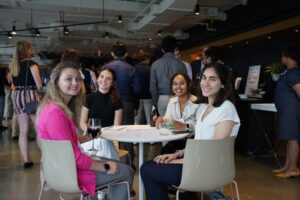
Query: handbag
x,y
30,107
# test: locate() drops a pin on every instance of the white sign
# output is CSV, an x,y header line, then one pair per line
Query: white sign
x,y
252,79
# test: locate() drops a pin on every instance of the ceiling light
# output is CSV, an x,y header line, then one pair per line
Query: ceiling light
x,y
13,32
106,35
297,30
159,33
37,32
66,30
150,38
197,9
269,37
9,35
120,18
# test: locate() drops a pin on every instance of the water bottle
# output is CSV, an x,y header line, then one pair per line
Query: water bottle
x,y
152,115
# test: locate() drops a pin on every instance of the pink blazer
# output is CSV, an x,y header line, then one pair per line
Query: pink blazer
x,y
54,124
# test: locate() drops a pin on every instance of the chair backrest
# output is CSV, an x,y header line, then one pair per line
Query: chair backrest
x,y
207,164
59,167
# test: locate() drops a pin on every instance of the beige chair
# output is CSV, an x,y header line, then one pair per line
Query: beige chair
x,y
59,169
208,165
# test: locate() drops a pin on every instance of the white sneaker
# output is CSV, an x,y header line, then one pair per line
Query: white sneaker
x,y
101,195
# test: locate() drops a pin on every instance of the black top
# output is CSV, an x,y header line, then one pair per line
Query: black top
x,y
100,106
20,80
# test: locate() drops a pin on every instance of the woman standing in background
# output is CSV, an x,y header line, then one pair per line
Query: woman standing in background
x,y
287,101
25,73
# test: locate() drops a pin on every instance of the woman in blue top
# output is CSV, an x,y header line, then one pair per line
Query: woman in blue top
x,y
287,101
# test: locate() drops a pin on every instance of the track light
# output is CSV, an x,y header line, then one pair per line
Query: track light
x,y
66,30
197,9
106,35
159,33
13,32
120,18
37,32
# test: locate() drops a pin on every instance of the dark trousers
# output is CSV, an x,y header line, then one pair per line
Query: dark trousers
x,y
158,177
128,119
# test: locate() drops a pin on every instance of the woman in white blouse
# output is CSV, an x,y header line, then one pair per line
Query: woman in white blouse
x,y
181,110
217,119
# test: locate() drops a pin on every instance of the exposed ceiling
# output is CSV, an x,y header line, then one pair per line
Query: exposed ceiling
x,y
141,20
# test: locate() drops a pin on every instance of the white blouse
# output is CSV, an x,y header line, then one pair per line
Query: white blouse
x,y
206,129
188,116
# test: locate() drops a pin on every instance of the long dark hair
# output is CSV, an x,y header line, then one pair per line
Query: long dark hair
x,y
225,93
114,94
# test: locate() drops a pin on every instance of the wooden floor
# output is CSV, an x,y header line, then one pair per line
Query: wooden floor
x,y
254,176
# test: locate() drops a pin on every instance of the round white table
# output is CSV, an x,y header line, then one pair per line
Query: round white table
x,y
140,134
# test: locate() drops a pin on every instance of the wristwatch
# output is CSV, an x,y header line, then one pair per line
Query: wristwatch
x,y
188,126
106,167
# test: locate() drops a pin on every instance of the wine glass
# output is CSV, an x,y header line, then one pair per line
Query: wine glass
x,y
94,129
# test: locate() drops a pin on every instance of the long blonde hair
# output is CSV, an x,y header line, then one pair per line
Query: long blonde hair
x,y
21,53
55,95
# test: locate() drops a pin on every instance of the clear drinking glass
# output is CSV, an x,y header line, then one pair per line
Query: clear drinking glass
x,y
168,124
94,129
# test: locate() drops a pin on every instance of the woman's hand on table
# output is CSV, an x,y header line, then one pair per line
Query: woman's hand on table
x,y
165,158
158,122
177,125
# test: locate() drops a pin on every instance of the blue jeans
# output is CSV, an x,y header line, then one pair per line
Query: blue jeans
x,y
162,104
144,111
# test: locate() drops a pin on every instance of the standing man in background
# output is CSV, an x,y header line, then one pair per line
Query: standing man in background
x,y
161,72
143,71
188,67
127,84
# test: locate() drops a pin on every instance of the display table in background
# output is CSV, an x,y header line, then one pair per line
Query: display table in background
x,y
267,107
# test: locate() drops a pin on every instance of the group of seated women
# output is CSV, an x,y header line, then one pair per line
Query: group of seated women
x,y
212,116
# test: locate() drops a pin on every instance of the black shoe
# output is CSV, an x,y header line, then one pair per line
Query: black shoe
x,y
16,137
133,168
132,193
28,165
2,128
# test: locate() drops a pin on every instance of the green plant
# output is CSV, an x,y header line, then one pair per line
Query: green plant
x,y
275,68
